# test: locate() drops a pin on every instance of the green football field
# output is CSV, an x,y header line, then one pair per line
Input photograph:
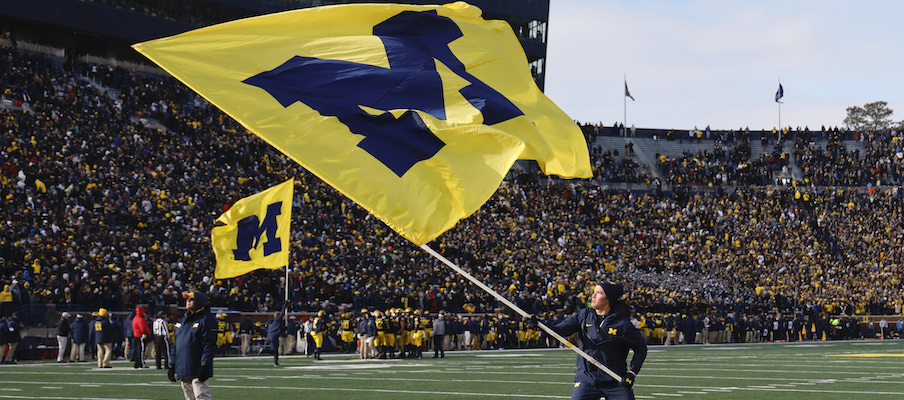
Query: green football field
x,y
815,370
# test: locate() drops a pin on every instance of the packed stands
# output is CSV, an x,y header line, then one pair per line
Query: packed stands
x,y
111,181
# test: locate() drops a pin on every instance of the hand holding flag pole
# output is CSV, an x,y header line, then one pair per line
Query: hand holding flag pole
x,y
523,313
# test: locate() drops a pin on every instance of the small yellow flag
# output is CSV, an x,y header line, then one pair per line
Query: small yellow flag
x,y
256,232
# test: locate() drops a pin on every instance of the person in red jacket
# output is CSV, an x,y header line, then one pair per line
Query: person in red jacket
x,y
142,333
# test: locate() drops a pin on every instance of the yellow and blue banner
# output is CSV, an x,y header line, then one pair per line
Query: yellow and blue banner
x,y
255,232
414,112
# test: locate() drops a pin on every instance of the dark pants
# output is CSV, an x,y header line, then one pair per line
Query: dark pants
x,y
585,391
161,346
274,347
311,346
138,352
438,346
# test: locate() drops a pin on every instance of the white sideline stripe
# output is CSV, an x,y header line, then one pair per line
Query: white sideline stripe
x,y
726,378
736,388
828,364
704,389
854,392
157,384
503,355
563,382
151,384
874,344
233,378
870,379
425,392
9,396
757,371
408,379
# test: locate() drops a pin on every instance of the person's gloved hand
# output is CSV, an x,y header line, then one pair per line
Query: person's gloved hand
x,y
532,322
171,373
628,379
204,372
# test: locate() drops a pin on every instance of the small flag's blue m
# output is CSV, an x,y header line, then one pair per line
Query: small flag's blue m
x,y
251,230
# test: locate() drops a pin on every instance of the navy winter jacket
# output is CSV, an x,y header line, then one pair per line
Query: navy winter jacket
x,y
103,330
195,343
607,339
79,331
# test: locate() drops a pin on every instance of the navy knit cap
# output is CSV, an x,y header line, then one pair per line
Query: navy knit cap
x,y
199,297
614,291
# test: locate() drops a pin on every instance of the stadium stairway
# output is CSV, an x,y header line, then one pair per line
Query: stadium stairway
x,y
114,95
646,149
851,145
670,148
794,172
641,155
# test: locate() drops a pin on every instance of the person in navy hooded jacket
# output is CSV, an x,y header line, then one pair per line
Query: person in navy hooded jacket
x,y
194,347
606,334
79,330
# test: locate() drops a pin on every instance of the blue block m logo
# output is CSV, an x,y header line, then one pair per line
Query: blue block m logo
x,y
251,230
414,42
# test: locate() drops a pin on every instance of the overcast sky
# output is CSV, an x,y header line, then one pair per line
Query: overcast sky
x,y
718,63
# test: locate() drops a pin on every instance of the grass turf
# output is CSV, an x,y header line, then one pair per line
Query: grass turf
x,y
819,370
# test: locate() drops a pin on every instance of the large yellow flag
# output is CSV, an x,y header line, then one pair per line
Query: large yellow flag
x,y
256,232
414,112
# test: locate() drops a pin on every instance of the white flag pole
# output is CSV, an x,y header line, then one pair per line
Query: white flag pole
x,y
289,249
286,304
523,313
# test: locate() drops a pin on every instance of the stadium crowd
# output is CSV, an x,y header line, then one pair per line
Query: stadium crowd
x,y
719,167
199,13
880,162
101,209
874,158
